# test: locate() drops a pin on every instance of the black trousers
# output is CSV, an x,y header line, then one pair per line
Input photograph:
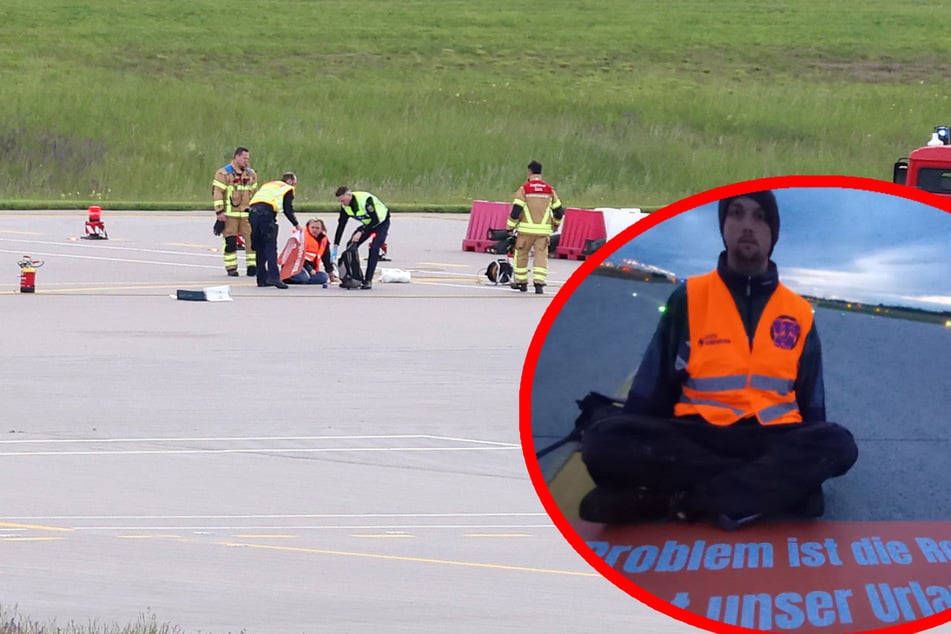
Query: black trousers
x,y
380,237
738,471
264,243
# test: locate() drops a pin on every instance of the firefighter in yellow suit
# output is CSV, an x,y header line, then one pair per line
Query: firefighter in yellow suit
x,y
536,213
231,192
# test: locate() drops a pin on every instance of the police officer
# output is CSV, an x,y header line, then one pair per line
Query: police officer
x,y
725,419
536,212
374,217
273,198
231,192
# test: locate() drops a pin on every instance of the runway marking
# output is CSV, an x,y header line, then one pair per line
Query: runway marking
x,y
457,266
384,535
22,233
109,247
34,527
423,560
252,438
258,450
264,536
259,516
126,260
31,539
497,535
162,536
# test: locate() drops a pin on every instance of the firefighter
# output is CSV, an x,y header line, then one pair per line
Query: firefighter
x,y
374,217
231,192
536,213
725,419
273,198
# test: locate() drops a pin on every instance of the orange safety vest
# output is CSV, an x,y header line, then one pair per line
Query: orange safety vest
x,y
727,379
313,249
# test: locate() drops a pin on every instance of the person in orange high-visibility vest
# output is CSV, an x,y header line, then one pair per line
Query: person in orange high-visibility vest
x,y
318,266
725,418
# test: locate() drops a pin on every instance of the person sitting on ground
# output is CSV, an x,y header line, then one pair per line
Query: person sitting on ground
x,y
317,266
725,419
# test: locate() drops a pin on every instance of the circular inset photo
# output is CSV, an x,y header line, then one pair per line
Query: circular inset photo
x,y
737,410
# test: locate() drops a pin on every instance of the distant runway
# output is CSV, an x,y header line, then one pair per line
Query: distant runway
x,y
291,461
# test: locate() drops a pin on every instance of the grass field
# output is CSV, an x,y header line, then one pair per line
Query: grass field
x,y
627,103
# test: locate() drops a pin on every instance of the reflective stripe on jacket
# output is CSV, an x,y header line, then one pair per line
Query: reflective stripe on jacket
x,y
232,190
272,193
536,198
728,378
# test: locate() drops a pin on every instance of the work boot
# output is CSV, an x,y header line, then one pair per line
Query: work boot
x,y
606,506
277,284
232,272
366,286
252,271
539,289
350,283
522,287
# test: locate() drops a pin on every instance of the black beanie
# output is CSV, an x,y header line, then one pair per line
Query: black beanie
x,y
767,201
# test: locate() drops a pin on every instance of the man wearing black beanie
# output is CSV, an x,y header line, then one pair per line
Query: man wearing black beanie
x,y
725,418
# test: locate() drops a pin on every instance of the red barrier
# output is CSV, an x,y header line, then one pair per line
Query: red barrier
x,y
485,215
579,226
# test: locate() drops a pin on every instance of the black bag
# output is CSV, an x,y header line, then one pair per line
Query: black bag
x,y
590,246
499,272
349,265
505,241
594,407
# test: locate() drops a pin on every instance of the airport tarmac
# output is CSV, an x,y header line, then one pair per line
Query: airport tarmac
x,y
291,461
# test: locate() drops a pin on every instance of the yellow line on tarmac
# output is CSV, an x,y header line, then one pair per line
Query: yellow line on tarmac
x,y
458,266
188,244
30,539
177,537
496,535
423,560
21,233
35,527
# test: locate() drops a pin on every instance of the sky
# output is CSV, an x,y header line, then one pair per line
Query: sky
x,y
833,243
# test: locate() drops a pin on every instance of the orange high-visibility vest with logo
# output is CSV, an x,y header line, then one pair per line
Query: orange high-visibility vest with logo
x,y
727,379
314,249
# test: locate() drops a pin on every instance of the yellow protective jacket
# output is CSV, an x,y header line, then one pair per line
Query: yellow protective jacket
x,y
232,189
536,208
728,379
272,193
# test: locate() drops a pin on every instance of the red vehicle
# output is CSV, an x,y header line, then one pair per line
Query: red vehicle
x,y
928,167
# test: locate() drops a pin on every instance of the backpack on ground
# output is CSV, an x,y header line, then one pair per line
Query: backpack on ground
x,y
499,271
351,273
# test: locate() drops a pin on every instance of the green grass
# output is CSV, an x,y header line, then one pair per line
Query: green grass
x,y
13,623
627,103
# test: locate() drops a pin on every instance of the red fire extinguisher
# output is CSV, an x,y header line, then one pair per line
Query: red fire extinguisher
x,y
28,268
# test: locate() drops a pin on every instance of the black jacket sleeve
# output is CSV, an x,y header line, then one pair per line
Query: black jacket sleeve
x,y
656,385
810,386
289,207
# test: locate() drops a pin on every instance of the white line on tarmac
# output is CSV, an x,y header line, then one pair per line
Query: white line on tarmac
x,y
260,516
249,438
92,257
104,247
294,527
260,450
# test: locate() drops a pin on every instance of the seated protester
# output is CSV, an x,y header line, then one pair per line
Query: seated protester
x,y
725,420
318,266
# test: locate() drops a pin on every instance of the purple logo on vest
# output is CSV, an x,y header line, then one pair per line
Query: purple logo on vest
x,y
785,332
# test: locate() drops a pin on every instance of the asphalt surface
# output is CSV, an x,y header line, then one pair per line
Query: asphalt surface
x,y
295,460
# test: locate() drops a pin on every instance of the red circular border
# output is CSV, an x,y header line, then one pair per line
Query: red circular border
x,y
558,302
